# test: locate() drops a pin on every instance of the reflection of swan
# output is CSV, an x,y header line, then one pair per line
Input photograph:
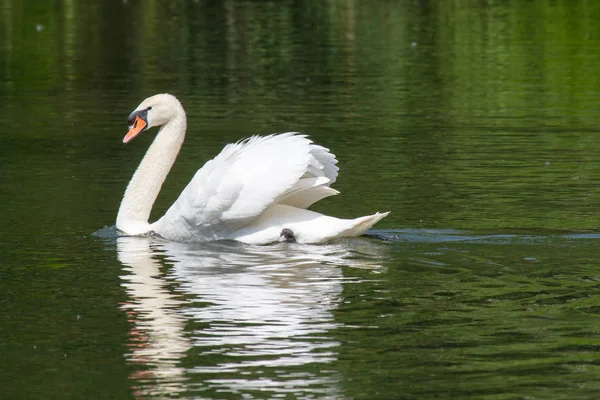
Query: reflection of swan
x,y
252,315
250,192
157,340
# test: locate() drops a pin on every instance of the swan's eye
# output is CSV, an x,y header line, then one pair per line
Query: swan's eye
x,y
149,108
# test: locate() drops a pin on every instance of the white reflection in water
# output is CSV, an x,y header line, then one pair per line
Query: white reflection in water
x,y
244,317
156,337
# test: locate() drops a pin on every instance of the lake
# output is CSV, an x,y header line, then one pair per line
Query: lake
x,y
474,122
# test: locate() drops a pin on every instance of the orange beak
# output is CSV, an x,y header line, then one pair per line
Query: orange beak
x,y
138,125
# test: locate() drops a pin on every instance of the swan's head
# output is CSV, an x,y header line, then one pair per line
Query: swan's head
x,y
154,111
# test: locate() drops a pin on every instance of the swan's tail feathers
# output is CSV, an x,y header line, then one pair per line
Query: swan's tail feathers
x,y
363,224
306,192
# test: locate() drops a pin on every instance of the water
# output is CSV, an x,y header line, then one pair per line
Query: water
x,y
475,126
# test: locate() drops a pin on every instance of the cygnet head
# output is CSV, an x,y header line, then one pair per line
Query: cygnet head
x,y
154,111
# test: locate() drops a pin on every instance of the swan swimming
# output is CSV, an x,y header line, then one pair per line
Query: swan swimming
x,y
255,191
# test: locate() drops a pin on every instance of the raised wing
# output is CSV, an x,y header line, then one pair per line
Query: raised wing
x,y
235,187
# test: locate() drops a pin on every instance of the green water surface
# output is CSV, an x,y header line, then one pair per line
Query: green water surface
x,y
474,122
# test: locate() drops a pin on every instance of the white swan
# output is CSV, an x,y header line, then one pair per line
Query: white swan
x,y
255,191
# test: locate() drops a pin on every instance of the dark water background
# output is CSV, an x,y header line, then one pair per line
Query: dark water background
x,y
474,122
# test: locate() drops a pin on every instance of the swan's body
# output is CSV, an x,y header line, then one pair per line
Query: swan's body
x,y
250,192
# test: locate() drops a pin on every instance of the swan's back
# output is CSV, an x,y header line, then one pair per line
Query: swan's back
x,y
245,179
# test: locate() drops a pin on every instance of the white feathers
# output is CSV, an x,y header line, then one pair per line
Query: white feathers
x,y
244,180
306,192
307,226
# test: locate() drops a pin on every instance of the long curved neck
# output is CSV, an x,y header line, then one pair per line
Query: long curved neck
x,y
143,189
